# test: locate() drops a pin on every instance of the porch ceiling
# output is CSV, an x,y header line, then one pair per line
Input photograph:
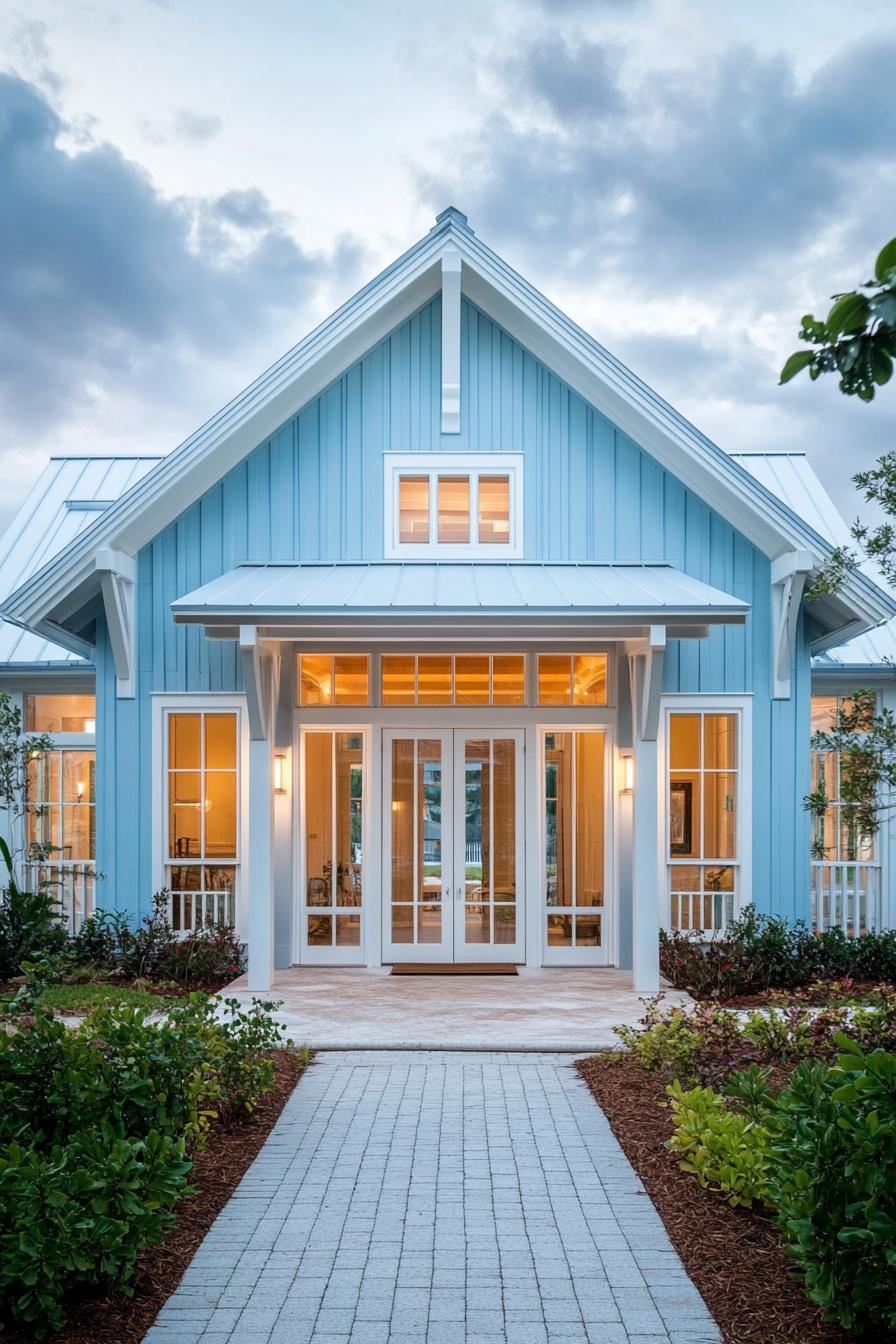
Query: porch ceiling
x,y
457,600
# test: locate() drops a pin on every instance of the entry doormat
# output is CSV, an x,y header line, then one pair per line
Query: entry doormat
x,y
453,968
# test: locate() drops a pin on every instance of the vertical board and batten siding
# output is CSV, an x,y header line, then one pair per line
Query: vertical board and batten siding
x,y
313,491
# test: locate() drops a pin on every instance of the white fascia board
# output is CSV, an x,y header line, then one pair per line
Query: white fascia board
x,y
389,299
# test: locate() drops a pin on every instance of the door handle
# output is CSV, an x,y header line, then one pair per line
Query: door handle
x,y
460,893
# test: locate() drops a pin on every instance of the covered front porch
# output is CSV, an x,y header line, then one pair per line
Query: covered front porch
x,y
349,879
552,1008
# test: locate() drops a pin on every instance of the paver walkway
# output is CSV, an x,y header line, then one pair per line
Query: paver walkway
x,y
437,1197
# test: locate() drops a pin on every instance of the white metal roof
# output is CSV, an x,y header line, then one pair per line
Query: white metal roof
x,y
792,478
514,595
68,496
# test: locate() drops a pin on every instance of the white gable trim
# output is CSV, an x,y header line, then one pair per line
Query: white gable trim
x,y
399,291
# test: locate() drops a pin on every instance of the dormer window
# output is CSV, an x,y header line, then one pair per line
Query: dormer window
x,y
453,505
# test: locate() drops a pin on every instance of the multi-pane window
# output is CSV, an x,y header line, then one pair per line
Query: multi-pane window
x,y
334,679
572,679
334,839
453,679
61,797
702,812
445,504
575,863
835,833
202,816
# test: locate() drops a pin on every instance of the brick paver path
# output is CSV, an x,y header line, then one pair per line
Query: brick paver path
x,y
438,1197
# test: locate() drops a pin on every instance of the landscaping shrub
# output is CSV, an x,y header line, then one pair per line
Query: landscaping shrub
x,y
79,1214
723,1148
96,1128
29,922
832,1176
764,952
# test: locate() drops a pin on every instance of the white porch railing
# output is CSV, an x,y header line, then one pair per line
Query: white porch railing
x,y
189,910
848,896
73,886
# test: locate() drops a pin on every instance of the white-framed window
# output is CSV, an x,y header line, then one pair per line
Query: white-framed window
x,y
453,505
200,815
61,789
706,806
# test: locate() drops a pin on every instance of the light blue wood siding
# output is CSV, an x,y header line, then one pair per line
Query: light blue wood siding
x,y
314,491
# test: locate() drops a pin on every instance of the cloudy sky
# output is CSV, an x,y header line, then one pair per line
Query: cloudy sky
x,y
186,188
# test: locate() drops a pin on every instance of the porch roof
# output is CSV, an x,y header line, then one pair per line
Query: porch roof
x,y
368,598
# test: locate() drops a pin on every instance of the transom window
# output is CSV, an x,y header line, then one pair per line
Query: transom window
x,y
334,679
450,505
572,679
702,810
60,714
202,811
453,679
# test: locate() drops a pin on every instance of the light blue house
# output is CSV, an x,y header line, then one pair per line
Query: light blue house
x,y
446,640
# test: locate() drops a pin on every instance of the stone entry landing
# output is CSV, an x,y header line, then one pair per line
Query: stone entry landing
x,y
557,1009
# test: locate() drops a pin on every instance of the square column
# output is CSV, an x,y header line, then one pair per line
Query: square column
x,y
259,872
646,873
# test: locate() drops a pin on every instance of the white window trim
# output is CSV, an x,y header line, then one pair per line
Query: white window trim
x,y
710,703
198,702
433,465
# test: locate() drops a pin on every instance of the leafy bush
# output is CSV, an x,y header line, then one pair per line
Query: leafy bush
x,y
763,952
723,1148
664,1042
78,1215
832,1176
29,922
96,1128
210,956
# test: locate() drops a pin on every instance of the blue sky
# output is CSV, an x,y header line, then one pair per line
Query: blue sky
x,y
186,189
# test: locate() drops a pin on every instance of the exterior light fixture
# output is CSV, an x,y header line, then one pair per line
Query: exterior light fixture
x,y
628,772
280,772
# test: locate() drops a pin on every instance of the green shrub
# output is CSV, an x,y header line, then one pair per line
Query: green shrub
x,y
723,1148
764,952
665,1042
79,1215
832,1176
29,922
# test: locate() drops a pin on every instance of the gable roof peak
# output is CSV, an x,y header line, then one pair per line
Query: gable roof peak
x,y
451,215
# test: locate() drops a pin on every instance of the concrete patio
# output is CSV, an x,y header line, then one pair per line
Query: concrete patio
x,y
559,1009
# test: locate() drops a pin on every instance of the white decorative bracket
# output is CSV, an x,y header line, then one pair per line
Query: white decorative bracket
x,y
451,341
261,671
789,574
118,584
645,662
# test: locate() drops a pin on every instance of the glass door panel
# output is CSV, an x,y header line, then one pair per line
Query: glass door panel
x,y
488,851
416,867
333,822
575,862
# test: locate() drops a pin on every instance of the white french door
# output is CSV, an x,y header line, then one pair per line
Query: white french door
x,y
453,859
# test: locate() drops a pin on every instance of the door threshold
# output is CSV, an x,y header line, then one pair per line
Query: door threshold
x,y
454,968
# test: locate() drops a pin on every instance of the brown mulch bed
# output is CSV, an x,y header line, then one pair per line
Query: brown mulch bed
x,y
821,995
734,1256
217,1171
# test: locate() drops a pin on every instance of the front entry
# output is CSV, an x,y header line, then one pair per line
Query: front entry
x,y
453,858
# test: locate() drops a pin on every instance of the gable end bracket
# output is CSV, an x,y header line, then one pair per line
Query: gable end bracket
x,y
118,584
789,574
451,341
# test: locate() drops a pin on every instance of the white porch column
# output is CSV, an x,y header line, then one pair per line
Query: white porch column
x,y
646,873
260,870
260,674
646,668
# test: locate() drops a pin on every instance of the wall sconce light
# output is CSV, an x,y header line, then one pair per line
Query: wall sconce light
x,y
628,772
280,773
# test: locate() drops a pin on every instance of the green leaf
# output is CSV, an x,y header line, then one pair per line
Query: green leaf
x,y
886,261
849,314
795,364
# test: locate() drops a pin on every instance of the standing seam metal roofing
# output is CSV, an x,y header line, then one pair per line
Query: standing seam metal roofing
x,y
44,524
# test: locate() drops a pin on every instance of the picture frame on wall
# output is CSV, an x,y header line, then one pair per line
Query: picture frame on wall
x,y
681,817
